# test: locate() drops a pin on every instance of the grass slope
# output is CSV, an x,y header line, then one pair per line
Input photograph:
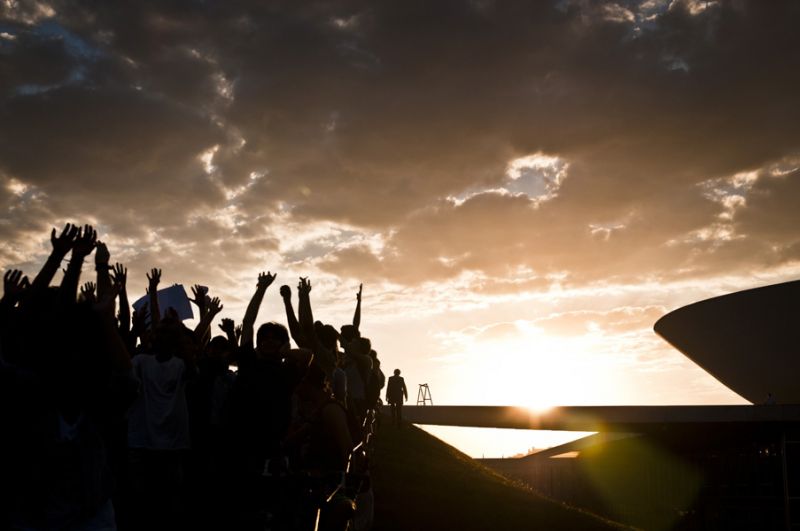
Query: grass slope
x,y
421,483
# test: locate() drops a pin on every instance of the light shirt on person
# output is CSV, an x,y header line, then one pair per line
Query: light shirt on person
x,y
159,417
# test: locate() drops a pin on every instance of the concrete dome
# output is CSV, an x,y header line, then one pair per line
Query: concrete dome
x,y
748,340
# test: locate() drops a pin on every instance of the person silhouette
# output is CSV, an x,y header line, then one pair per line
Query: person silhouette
x,y
396,394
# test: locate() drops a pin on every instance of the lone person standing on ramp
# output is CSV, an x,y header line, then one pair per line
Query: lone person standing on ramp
x,y
396,394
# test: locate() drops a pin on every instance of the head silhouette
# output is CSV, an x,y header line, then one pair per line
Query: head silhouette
x,y
272,339
218,348
348,333
397,372
329,337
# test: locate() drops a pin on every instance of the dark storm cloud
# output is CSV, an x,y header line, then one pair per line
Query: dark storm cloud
x,y
372,114
27,59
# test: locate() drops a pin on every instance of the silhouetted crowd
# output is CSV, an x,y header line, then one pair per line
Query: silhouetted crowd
x,y
130,420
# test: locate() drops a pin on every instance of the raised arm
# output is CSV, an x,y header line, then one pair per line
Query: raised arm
x,y
88,292
61,246
229,328
203,327
81,248
357,315
325,358
120,277
200,300
249,321
101,258
305,314
138,327
14,285
294,326
115,347
152,291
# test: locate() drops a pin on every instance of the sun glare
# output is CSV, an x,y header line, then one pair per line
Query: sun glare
x,y
532,369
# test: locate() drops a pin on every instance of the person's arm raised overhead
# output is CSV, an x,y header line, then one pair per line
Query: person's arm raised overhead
x,y
291,319
120,278
152,291
14,285
199,294
62,244
211,310
101,258
249,321
199,300
357,314
305,314
229,328
115,347
138,327
324,357
81,248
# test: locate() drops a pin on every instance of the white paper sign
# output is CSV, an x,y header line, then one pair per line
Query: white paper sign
x,y
171,297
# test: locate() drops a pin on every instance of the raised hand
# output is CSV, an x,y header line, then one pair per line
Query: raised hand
x,y
153,278
238,332
14,284
118,283
227,326
357,314
265,279
214,306
119,277
199,293
119,273
203,329
249,319
102,256
304,287
286,292
88,290
85,242
64,241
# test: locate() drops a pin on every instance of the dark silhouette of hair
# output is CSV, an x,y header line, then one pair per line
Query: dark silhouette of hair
x,y
219,343
328,336
349,332
272,330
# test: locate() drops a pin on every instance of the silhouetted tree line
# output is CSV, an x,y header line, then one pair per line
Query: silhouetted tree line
x,y
119,419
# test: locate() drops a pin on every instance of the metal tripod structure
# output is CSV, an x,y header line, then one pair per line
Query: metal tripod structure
x,y
424,397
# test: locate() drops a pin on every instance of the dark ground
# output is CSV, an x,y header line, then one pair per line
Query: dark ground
x,y
421,483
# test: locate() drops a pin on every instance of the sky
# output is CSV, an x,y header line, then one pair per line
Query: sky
x,y
524,188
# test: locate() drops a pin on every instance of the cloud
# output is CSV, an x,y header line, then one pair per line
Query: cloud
x,y
620,320
771,208
213,125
